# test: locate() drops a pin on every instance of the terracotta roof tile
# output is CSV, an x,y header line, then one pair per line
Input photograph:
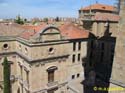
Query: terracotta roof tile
x,y
73,32
32,30
11,29
33,27
99,7
69,31
106,16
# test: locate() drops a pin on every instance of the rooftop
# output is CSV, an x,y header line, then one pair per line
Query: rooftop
x,y
97,6
73,32
11,29
67,30
106,17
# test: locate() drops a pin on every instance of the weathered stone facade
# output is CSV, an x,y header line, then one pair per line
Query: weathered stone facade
x,y
106,50
118,77
44,65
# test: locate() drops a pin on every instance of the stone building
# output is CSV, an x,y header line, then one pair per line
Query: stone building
x,y
96,18
106,50
102,21
44,58
118,78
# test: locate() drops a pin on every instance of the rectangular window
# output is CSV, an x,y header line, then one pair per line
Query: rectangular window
x,y
50,76
27,76
79,57
21,71
78,75
73,58
73,76
79,46
74,46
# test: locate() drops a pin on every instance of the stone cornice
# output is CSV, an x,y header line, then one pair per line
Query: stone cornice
x,y
32,44
45,60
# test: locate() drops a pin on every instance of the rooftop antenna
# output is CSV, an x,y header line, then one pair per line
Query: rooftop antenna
x,y
96,2
90,8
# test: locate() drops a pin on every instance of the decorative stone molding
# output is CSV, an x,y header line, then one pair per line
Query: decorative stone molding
x,y
46,60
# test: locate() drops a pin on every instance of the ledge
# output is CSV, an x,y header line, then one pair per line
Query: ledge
x,y
34,61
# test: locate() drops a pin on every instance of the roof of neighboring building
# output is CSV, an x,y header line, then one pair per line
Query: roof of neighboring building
x,y
99,7
32,30
35,27
11,29
106,16
73,32
69,31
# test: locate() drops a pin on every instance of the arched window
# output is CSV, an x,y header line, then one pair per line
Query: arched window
x,y
50,33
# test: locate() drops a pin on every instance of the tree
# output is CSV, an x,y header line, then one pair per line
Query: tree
x,y
6,76
19,20
57,19
25,20
45,19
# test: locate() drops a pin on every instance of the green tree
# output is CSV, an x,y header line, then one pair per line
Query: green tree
x,y
45,19
25,20
6,72
19,20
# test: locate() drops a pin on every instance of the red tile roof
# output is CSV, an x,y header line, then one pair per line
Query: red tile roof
x,y
33,27
69,31
73,32
11,29
32,30
99,7
106,16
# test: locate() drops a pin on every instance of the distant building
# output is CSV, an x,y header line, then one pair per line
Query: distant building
x,y
96,17
1,20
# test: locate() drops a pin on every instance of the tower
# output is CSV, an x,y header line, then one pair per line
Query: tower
x,y
118,70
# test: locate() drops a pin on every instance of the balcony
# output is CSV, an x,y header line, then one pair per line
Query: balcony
x,y
87,16
52,84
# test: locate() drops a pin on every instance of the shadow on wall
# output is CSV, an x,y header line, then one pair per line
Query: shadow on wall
x,y
98,63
